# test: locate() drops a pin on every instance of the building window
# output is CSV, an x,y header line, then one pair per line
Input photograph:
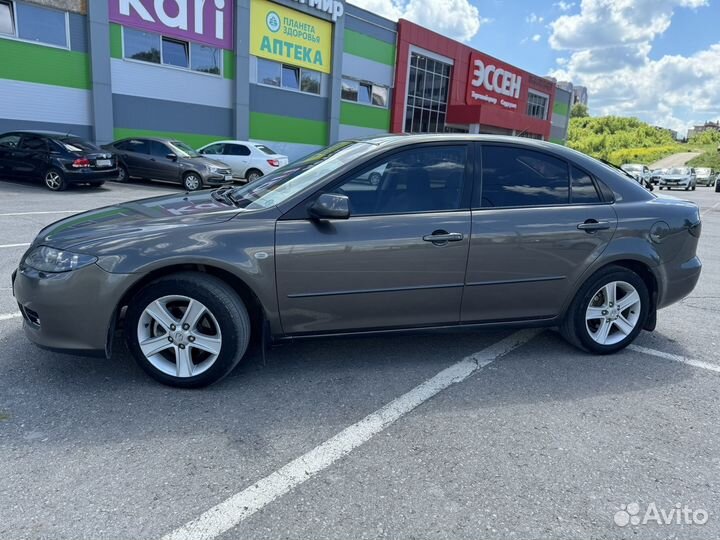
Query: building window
x,y
157,49
365,93
34,23
537,105
427,95
289,77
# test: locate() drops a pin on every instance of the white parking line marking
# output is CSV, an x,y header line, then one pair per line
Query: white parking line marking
x,y
713,207
8,316
14,245
38,213
244,504
676,358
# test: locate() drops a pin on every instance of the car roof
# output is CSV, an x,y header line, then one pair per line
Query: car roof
x,y
143,138
44,133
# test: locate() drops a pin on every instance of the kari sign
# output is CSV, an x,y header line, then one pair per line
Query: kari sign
x,y
286,35
209,22
494,83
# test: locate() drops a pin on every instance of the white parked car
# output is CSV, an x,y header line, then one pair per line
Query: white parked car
x,y
641,172
704,176
248,161
679,178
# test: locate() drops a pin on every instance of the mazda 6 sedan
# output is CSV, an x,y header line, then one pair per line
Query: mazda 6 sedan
x,y
457,231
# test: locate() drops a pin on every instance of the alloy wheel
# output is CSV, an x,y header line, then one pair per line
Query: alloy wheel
x,y
613,313
179,336
192,182
53,180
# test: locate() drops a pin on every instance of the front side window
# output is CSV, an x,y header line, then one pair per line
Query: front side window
x,y
213,149
423,179
141,45
33,143
7,19
158,149
175,53
513,177
236,150
10,141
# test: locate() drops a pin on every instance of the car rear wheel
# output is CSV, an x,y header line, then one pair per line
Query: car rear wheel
x,y
253,174
187,330
192,181
123,175
608,312
55,180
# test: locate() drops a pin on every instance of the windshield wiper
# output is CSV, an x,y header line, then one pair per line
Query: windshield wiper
x,y
224,195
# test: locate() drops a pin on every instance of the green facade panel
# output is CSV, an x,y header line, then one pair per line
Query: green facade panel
x,y
366,116
195,140
28,62
228,64
116,46
271,127
561,108
369,48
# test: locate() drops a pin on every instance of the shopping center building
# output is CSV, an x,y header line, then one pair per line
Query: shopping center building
x,y
294,74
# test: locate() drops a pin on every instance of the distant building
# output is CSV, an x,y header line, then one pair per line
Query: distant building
x,y
707,126
672,132
579,93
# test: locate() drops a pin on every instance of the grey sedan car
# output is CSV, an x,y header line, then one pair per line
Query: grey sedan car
x,y
168,160
459,231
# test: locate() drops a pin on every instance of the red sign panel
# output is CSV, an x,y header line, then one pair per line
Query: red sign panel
x,y
495,83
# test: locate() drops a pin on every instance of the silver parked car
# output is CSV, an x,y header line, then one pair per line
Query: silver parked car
x,y
704,176
679,178
458,231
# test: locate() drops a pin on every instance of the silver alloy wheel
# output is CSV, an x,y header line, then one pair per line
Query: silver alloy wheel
x,y
179,336
192,182
613,313
53,180
121,175
253,176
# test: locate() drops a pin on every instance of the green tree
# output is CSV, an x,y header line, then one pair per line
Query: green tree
x,y
579,110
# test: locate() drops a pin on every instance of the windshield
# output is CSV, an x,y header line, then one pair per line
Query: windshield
x,y
182,149
678,171
279,186
74,144
265,149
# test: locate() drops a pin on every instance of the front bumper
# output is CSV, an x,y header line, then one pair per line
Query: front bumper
x,y
72,312
679,184
213,179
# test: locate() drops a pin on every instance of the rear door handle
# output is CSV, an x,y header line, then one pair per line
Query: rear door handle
x,y
592,225
441,237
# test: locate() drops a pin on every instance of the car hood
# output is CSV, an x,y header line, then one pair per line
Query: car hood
x,y
675,177
133,219
206,161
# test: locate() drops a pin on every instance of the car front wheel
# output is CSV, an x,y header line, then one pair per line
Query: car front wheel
x,y
187,330
192,181
608,312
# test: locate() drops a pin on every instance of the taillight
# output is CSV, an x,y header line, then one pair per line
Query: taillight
x,y
80,163
273,162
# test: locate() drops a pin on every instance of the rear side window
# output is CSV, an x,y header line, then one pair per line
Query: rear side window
x,y
137,145
236,150
583,188
518,177
33,143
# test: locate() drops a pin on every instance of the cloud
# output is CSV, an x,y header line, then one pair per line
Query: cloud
x,y
609,45
534,18
564,6
536,38
457,19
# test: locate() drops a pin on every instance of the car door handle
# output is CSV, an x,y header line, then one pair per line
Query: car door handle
x,y
592,225
441,237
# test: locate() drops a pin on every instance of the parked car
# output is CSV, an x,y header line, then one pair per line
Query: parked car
x,y
167,160
640,172
704,176
679,177
56,159
549,237
248,161
656,174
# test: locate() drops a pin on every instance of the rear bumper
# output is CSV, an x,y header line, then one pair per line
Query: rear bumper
x,y
72,312
679,282
79,176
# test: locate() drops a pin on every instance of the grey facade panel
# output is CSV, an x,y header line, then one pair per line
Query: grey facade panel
x,y
268,100
156,114
370,29
78,32
363,69
355,12
98,40
557,132
86,132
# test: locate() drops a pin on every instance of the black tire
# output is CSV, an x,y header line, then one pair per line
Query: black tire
x,y
574,328
220,299
192,181
54,179
660,188
123,175
252,175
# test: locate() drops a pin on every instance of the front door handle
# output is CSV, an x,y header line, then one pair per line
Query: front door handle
x,y
592,225
442,237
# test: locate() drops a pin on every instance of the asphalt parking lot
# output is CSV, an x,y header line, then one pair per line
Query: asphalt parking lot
x,y
493,434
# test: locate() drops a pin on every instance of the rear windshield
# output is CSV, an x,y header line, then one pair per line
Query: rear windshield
x,y
265,149
279,186
74,144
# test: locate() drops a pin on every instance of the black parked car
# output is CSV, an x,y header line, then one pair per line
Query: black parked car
x,y
58,159
168,160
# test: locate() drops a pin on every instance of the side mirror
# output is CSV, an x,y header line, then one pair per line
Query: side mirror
x,y
330,206
171,157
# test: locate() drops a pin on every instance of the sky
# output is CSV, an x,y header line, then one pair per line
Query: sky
x,y
657,60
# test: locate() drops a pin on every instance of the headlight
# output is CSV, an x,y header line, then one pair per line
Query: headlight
x,y
47,259
214,169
